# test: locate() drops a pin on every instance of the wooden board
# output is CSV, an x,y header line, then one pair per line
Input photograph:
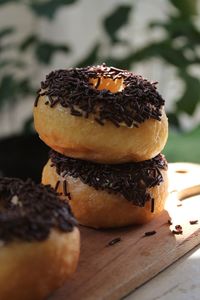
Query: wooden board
x,y
111,272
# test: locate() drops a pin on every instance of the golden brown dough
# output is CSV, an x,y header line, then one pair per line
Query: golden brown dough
x,y
31,271
100,209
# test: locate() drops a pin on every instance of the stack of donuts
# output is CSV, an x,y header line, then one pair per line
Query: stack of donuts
x,y
107,128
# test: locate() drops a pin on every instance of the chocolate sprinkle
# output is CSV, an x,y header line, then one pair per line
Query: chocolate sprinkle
x,y
65,189
149,233
132,180
169,222
193,222
57,185
137,102
114,241
29,211
178,229
152,205
177,232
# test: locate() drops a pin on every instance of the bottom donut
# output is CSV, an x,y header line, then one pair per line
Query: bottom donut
x,y
39,240
108,196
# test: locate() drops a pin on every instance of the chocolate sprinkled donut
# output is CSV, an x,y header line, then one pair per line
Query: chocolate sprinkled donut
x,y
29,211
135,103
129,179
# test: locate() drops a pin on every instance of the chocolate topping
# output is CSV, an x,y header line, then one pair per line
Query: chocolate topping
x,y
29,211
132,180
137,102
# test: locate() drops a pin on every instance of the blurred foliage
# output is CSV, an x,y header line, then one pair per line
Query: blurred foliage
x,y
183,147
7,1
182,37
43,50
13,88
48,9
115,21
178,48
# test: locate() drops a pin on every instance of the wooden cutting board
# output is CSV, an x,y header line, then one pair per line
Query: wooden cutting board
x,y
112,271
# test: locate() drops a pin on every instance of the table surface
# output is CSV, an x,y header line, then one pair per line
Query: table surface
x,y
180,281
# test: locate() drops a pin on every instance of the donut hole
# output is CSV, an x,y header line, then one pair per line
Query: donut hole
x,y
106,83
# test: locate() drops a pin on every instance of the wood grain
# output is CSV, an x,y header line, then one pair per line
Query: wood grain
x,y
111,272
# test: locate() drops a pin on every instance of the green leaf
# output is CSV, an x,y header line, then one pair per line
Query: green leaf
x,y
186,8
191,96
11,88
173,120
7,89
28,41
2,2
4,63
91,58
166,51
180,27
24,87
28,126
48,8
180,146
119,63
6,31
116,20
12,62
161,49
45,50
173,56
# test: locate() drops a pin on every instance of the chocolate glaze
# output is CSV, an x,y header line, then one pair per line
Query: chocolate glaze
x,y
137,102
132,180
28,211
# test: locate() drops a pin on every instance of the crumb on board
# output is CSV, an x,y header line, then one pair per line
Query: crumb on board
x,y
178,229
149,233
192,222
114,241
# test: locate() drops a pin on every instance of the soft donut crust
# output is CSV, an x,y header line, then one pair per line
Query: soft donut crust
x,y
100,209
32,270
83,138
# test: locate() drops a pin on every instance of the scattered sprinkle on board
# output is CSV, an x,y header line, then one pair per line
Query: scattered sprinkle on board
x,y
149,233
192,222
114,241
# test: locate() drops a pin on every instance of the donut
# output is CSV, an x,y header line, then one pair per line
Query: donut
x,y
39,240
109,195
102,114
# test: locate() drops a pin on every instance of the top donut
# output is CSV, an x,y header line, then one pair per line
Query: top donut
x,y
101,113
